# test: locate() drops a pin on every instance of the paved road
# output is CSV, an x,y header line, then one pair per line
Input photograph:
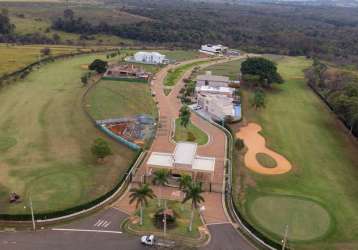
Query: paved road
x,y
225,237
101,231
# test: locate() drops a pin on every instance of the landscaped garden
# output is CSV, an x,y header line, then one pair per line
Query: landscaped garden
x,y
189,133
316,198
46,139
177,224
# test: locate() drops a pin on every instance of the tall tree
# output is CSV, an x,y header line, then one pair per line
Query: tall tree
x,y
101,148
265,69
184,115
160,178
193,193
6,27
140,196
185,181
99,66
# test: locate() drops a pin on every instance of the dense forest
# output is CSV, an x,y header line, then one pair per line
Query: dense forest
x,y
329,32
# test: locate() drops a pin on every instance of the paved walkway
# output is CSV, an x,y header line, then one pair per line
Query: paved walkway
x,y
168,111
224,235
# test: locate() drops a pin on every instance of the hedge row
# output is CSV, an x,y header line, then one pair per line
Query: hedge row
x,y
55,214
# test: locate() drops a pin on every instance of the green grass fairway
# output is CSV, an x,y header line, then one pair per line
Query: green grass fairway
x,y
113,99
46,140
190,133
297,124
266,160
306,219
230,69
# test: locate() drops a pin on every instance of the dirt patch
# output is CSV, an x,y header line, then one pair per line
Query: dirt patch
x,y
255,144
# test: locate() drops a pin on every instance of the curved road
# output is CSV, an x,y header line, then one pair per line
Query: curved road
x,y
102,230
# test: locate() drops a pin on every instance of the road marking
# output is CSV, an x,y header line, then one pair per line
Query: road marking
x,y
106,224
85,230
102,223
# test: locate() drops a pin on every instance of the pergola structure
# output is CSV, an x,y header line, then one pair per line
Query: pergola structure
x,y
183,159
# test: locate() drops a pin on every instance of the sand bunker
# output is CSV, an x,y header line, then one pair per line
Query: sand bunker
x,y
255,143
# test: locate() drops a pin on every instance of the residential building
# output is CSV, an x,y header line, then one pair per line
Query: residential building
x,y
213,49
149,58
212,80
125,71
226,91
217,106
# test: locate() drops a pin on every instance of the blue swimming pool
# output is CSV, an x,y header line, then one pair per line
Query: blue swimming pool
x,y
237,111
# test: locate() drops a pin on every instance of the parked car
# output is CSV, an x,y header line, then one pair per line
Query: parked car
x,y
197,107
151,240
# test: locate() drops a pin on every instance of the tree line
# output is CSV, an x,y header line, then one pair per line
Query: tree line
x,y
339,89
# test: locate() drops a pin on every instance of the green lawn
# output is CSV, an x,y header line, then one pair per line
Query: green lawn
x,y
230,69
174,75
46,139
182,212
297,124
113,99
266,160
190,133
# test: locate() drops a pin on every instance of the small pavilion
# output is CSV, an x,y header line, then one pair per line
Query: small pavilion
x,y
184,159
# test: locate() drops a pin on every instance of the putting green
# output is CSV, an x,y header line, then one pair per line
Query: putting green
x,y
306,219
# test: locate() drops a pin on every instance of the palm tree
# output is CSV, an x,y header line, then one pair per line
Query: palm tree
x,y
160,178
141,195
193,193
184,182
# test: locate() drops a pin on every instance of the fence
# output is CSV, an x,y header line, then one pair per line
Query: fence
x,y
244,226
72,212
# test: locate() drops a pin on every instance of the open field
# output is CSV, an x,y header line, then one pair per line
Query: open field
x,y
36,17
174,75
190,133
230,69
113,99
182,213
16,57
46,140
322,186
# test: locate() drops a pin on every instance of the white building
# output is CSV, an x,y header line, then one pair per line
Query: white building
x,y
217,106
149,58
226,91
213,49
212,80
183,159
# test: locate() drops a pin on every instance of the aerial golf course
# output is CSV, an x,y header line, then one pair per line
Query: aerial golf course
x,y
317,198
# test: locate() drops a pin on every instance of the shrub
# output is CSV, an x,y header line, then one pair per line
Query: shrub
x,y
239,144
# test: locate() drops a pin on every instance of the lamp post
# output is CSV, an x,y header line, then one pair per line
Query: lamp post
x,y
32,214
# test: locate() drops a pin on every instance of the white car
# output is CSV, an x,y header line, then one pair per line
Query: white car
x,y
197,107
147,240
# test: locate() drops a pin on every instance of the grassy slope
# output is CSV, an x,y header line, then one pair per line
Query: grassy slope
x,y
297,124
112,99
15,57
182,133
230,69
52,158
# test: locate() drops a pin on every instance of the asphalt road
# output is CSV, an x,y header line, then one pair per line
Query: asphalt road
x,y
101,231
